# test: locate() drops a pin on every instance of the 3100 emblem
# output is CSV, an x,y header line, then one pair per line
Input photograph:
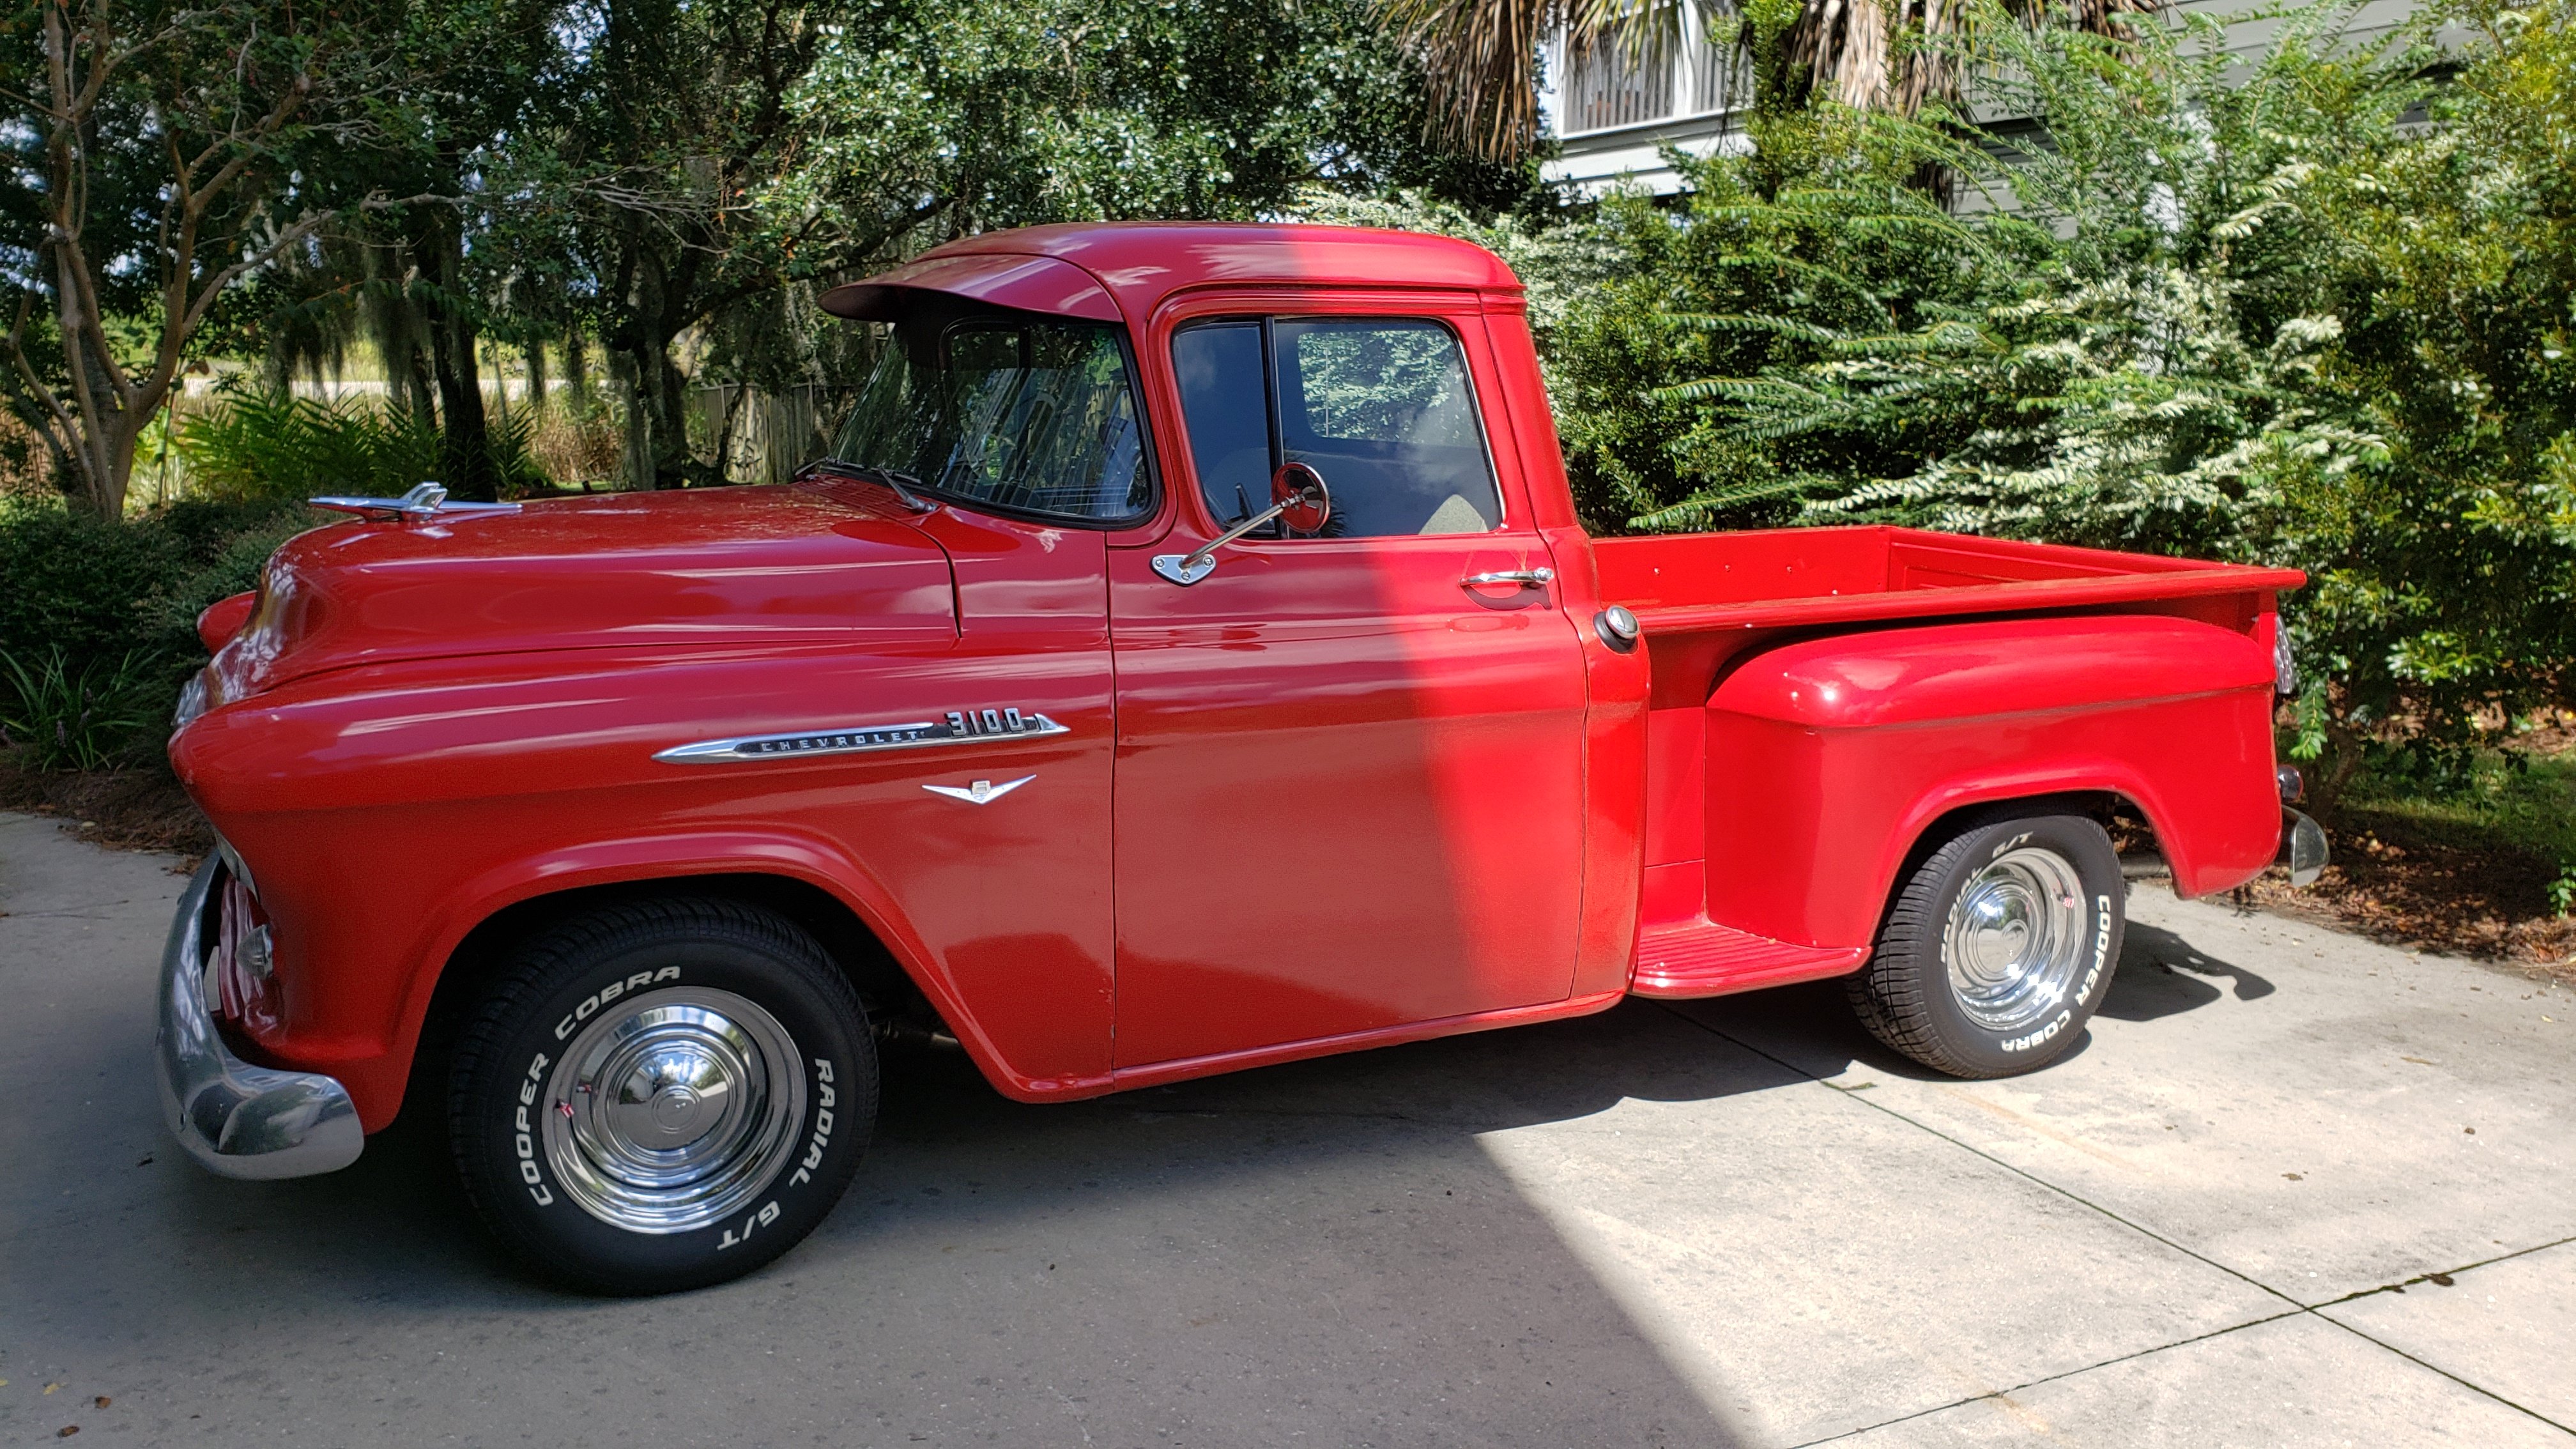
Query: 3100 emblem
x,y
961,726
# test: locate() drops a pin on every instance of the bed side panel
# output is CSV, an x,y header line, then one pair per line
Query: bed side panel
x,y
1827,759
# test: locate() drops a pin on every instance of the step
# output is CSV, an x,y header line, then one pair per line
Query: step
x,y
1702,958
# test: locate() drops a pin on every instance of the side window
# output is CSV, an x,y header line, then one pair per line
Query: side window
x,y
1224,407
1380,407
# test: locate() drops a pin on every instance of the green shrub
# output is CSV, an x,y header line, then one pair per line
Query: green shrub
x,y
2247,310
74,583
98,620
61,714
230,563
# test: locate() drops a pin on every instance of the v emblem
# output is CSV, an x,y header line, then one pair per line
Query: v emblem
x,y
982,792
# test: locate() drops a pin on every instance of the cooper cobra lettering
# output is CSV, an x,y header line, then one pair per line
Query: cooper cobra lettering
x,y
523,1137
592,1003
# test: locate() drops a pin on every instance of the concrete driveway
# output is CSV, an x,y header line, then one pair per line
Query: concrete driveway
x,y
2296,1189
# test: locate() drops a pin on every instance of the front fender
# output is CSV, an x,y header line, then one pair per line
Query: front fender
x,y
376,1080
1829,759
389,811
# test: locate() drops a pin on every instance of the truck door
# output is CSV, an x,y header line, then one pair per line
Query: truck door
x,y
1348,789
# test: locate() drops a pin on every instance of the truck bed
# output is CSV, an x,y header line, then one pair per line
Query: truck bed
x,y
1707,600
1701,582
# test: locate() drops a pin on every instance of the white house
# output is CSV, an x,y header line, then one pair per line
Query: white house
x,y
1613,117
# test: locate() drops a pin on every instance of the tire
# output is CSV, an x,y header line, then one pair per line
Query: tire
x,y
666,1185
2013,994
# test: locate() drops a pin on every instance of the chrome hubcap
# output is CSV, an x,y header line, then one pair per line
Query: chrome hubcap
x,y
674,1113
2016,938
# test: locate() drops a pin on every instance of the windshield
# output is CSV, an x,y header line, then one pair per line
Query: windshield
x,y
1027,416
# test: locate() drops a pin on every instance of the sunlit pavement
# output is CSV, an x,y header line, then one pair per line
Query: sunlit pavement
x,y
1734,1223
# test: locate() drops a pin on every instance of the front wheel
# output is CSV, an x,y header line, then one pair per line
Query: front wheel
x,y
1998,948
662,1095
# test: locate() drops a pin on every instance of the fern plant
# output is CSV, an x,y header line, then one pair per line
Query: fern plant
x,y
272,445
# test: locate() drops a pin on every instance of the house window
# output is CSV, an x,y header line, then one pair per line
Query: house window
x,y
1609,83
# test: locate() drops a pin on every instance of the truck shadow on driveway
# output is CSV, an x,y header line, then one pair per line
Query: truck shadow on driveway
x,y
1324,1248
2161,975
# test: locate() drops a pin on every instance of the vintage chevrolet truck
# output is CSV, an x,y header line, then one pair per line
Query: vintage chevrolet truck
x,y
1187,658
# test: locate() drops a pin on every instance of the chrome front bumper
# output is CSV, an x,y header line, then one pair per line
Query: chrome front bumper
x,y
238,1119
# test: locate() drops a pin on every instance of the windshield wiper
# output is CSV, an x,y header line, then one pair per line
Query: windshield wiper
x,y
901,484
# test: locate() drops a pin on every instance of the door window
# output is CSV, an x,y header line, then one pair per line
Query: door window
x,y
1381,407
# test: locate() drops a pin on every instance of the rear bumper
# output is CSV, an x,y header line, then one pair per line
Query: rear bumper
x,y
2303,847
237,1119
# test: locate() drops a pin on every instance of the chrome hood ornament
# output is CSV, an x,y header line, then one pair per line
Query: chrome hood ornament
x,y
425,501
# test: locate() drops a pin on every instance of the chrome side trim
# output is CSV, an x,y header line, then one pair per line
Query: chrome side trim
x,y
962,727
236,1119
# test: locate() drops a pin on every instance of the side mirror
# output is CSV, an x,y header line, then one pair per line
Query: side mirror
x,y
1305,503
1298,497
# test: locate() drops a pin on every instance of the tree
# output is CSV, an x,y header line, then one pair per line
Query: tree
x,y
164,143
1481,57
720,163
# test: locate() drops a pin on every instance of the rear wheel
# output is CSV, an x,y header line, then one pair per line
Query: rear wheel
x,y
1997,948
662,1096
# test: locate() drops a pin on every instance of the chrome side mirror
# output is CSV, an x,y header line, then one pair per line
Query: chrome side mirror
x,y
1299,498
1302,500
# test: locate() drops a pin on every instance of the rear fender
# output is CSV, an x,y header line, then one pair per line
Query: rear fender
x,y
1830,759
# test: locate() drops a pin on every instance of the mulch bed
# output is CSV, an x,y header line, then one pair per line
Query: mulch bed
x,y
138,809
2411,883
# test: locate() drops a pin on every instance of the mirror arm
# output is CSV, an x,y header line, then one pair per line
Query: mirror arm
x,y
1239,530
1195,567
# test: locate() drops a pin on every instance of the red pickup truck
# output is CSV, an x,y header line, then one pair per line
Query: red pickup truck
x,y
1188,658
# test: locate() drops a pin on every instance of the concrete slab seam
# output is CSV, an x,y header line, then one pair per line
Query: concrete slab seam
x,y
2403,1284
2296,1306
2010,1390
2446,1373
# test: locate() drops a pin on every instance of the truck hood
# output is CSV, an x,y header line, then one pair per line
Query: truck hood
x,y
732,567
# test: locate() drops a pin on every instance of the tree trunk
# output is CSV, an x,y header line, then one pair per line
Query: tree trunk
x,y
105,470
536,379
657,427
465,452
657,390
102,446
576,359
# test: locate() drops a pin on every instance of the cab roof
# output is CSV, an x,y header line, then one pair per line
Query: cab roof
x,y
1122,271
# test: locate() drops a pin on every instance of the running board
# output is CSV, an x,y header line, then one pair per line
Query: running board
x,y
1701,958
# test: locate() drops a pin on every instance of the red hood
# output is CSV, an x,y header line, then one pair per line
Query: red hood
x,y
733,566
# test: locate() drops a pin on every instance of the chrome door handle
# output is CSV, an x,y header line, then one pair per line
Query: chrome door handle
x,y
1526,578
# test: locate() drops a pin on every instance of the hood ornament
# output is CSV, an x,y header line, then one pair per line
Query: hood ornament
x,y
425,501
